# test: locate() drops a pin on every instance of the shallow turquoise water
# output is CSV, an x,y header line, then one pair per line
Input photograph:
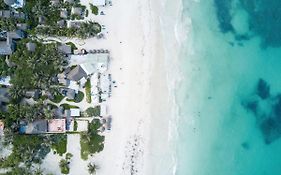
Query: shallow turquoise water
x,y
230,121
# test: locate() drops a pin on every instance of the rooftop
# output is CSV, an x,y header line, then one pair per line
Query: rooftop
x,y
93,62
4,95
5,81
76,74
31,46
98,2
56,125
35,127
74,112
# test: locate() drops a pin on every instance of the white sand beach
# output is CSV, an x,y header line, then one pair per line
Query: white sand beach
x,y
137,65
140,100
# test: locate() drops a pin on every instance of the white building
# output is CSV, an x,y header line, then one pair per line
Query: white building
x,y
92,63
105,86
99,2
5,81
103,110
94,88
74,112
82,125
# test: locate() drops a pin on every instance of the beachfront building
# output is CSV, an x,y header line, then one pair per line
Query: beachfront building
x,y
43,126
103,110
99,2
76,74
35,127
105,86
95,88
56,126
1,128
93,62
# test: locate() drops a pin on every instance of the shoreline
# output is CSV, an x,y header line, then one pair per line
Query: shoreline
x,y
142,101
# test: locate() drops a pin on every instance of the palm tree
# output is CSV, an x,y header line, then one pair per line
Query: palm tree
x,y
92,168
16,92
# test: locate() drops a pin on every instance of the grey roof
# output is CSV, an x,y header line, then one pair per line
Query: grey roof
x,y
70,94
9,2
37,127
18,34
5,13
55,2
69,1
18,15
22,26
63,13
73,24
76,74
7,47
34,93
58,112
67,113
63,81
67,70
4,95
66,49
77,11
41,19
31,46
61,23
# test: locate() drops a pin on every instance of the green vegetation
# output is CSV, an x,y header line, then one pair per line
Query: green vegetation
x,y
68,106
4,69
78,98
9,24
75,125
92,168
94,9
34,70
17,112
90,112
64,163
91,142
27,149
85,30
3,6
88,91
57,98
52,106
64,166
72,45
59,143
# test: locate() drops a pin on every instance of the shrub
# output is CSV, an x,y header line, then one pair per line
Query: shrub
x,y
94,9
59,143
57,98
88,91
90,112
78,98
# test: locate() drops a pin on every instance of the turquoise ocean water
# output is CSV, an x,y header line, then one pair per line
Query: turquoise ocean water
x,y
230,97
